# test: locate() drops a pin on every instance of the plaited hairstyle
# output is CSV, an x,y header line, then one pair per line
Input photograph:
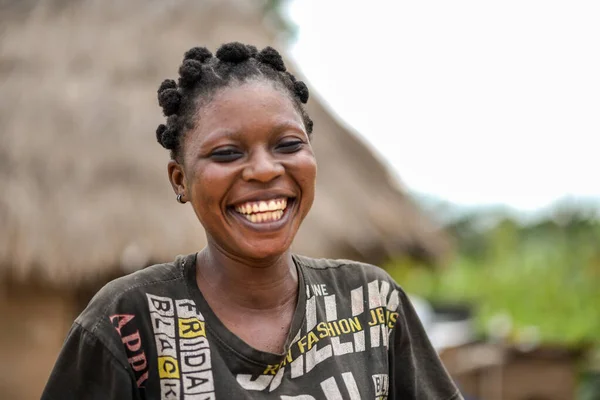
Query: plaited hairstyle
x,y
201,75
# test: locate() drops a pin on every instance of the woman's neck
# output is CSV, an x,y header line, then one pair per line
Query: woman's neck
x,y
253,286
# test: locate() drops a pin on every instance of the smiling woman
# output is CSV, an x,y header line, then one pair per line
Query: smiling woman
x,y
244,317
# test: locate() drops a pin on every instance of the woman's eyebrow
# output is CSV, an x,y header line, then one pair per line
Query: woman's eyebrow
x,y
223,133
285,125
238,135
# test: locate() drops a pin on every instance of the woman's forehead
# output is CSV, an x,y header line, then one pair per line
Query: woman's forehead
x,y
254,102
251,90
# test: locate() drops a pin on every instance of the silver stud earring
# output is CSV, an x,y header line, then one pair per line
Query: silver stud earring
x,y
179,198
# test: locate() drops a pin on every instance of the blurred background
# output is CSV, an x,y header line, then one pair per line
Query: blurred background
x,y
457,149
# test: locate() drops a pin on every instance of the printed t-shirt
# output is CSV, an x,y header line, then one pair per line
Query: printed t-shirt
x,y
151,335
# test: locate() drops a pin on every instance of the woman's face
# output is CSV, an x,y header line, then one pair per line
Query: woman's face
x,y
249,171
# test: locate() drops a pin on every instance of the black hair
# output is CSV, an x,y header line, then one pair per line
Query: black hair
x,y
201,74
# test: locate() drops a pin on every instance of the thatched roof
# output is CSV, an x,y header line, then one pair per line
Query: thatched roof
x,y
78,109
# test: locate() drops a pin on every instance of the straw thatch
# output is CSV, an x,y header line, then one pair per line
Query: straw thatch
x,y
84,184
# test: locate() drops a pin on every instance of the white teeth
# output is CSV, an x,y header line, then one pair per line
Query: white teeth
x,y
263,211
262,206
265,217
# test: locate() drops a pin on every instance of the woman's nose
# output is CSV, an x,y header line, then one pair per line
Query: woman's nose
x,y
263,167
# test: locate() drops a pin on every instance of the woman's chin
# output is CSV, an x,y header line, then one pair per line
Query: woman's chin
x,y
265,250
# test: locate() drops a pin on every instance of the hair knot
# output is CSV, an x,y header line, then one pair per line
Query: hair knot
x,y
169,100
197,53
234,52
271,57
309,125
190,73
169,139
159,133
292,77
253,50
169,136
167,84
301,91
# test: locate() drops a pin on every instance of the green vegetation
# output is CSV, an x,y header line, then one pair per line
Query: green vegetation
x,y
544,276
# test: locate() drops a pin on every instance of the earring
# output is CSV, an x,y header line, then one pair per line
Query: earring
x,y
179,198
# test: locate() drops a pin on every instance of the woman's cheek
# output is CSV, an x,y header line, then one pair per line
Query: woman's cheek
x,y
307,169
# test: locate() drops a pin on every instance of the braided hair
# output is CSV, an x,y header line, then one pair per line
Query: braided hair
x,y
200,76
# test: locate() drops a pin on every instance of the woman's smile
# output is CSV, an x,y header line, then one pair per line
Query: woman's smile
x,y
263,211
264,215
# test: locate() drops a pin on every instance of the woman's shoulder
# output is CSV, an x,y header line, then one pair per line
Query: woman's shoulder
x,y
345,270
340,265
128,294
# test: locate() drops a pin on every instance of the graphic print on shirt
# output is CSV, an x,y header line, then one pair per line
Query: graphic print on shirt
x,y
184,365
130,337
381,382
367,325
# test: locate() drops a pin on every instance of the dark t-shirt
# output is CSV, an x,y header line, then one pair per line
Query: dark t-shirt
x,y
151,335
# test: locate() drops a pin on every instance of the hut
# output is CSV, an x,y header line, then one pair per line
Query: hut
x,y
85,196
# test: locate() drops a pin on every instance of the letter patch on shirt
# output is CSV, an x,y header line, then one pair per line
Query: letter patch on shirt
x,y
184,365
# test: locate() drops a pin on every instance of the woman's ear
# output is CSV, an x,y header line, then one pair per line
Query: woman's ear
x,y
177,179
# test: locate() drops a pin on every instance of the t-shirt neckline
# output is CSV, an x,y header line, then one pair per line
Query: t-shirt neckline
x,y
230,339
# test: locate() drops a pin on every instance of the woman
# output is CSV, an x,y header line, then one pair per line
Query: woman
x,y
244,317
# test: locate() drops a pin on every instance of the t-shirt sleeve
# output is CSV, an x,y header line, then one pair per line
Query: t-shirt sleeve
x,y
416,371
86,369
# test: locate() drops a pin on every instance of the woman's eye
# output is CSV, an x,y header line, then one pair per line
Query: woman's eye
x,y
226,155
290,146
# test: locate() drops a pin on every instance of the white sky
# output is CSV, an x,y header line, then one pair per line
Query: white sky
x,y
476,102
